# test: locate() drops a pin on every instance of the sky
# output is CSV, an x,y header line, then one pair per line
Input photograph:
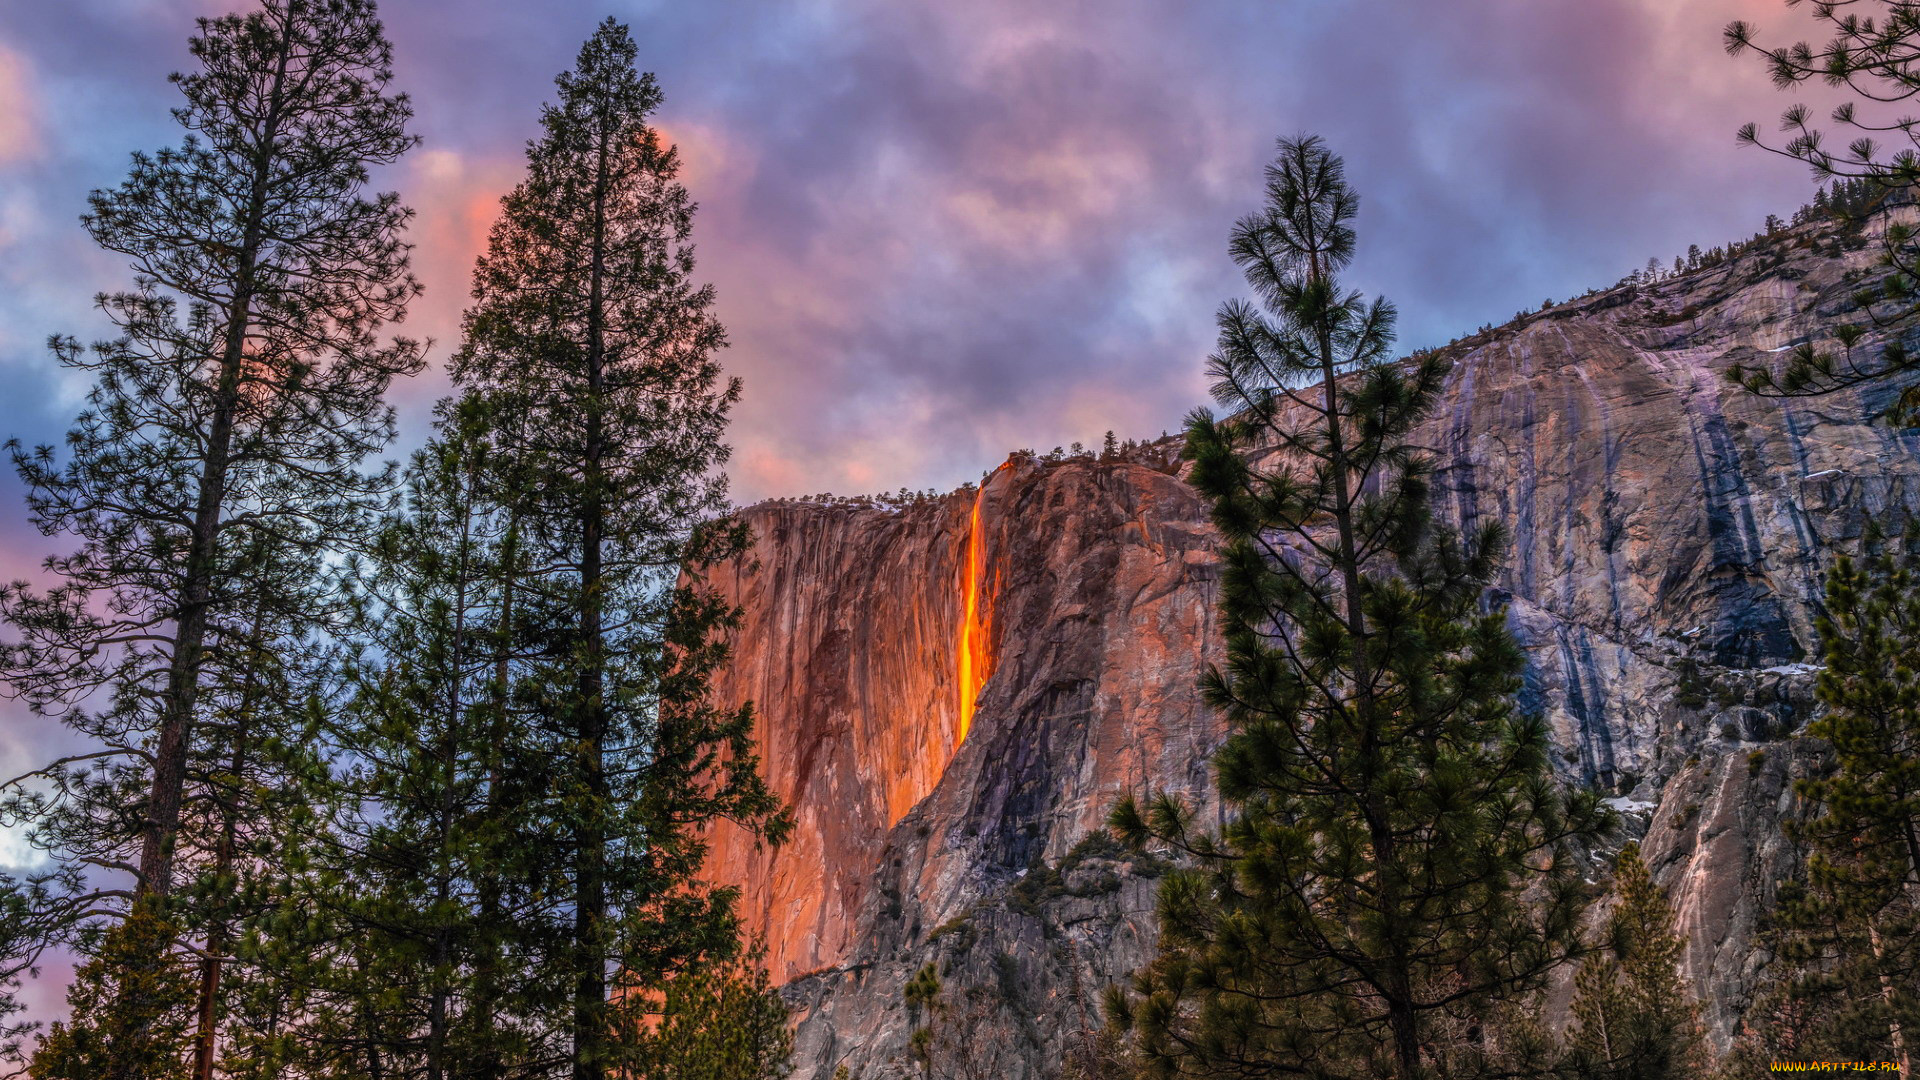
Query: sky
x,y
943,231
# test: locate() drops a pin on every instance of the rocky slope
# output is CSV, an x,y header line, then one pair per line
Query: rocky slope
x,y
1668,537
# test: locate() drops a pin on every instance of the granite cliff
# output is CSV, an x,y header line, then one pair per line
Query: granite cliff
x,y
953,691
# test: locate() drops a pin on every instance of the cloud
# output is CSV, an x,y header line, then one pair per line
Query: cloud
x,y
942,231
927,237
20,138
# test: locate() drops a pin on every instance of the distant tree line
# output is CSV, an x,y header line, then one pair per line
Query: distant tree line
x,y
1870,56
1846,202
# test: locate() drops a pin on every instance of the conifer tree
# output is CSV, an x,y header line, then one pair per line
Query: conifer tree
x,y
1398,855
226,419
1848,937
245,386
1633,1016
1872,52
588,327
258,776
948,1046
257,769
312,1006
220,447
129,1002
720,1021
403,866
922,995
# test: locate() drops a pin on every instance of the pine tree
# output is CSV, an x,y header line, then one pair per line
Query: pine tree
x,y
1872,48
257,770
948,1045
410,879
720,1021
314,1006
227,419
922,995
1393,814
130,1019
1776,1027
589,329
263,394
1633,1016
1848,938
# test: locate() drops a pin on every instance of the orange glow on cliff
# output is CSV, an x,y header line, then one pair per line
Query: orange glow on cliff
x,y
975,623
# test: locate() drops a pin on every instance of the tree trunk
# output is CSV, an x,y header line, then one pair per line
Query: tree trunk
x,y
218,931
486,978
1895,1036
204,1042
590,902
1401,1018
183,673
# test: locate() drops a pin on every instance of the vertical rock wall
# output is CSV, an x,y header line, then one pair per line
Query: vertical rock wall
x,y
848,653
1092,596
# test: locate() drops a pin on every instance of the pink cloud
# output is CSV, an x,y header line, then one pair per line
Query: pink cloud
x,y
20,138
455,196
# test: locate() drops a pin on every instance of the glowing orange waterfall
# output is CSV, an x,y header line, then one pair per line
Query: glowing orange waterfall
x,y
975,662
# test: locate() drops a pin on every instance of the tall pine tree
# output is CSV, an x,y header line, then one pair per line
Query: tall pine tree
x,y
406,869
1399,855
257,766
588,327
227,420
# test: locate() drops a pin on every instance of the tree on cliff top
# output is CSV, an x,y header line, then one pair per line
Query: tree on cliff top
x,y
588,329
1872,52
1399,859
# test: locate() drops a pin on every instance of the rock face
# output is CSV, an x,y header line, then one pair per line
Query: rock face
x,y
1094,601
1668,538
